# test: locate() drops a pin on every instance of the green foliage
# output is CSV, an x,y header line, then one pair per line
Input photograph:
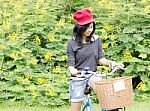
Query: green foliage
x,y
34,35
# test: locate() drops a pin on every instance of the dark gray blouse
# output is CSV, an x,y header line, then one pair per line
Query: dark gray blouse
x,y
84,55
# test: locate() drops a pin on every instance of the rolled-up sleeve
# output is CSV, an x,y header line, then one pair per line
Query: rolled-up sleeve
x,y
100,50
70,55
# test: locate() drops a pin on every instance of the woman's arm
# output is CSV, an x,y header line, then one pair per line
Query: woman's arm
x,y
104,61
110,63
71,60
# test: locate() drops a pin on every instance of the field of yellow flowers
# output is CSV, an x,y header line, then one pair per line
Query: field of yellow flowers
x,y
34,35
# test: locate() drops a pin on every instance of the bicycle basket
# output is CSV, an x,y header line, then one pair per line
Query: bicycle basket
x,y
115,93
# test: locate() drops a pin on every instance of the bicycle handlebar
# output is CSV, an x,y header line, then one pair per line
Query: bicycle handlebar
x,y
84,74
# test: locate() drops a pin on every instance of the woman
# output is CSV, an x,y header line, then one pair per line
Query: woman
x,y
84,50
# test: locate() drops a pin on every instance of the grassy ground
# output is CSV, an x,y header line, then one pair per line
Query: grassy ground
x,y
145,106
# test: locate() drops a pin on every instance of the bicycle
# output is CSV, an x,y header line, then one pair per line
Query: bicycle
x,y
87,74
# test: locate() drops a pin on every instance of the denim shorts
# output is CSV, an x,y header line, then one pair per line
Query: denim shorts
x,y
77,88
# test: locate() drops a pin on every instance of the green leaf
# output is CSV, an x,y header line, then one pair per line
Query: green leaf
x,y
143,56
129,30
146,31
138,37
64,95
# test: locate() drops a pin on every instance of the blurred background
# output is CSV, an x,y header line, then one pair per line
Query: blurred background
x,y
34,36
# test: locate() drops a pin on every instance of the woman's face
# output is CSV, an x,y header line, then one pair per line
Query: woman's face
x,y
88,30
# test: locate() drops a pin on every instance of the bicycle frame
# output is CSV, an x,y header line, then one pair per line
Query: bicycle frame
x,y
87,102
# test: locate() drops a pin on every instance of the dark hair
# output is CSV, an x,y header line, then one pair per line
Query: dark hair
x,y
79,30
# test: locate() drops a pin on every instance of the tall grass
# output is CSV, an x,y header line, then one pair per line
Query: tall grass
x,y
19,106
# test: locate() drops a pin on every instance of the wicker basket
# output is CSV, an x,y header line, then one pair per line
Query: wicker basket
x,y
115,93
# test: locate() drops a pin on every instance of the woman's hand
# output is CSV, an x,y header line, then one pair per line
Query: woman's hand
x,y
73,71
113,64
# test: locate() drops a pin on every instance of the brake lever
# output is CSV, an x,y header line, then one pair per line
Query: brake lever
x,y
83,73
116,68
80,74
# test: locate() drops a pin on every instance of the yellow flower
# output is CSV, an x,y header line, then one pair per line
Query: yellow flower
x,y
127,55
56,69
105,45
51,37
22,80
13,36
14,55
112,37
6,25
34,94
37,6
148,74
41,16
32,88
51,92
141,86
64,57
44,12
25,51
70,18
41,81
107,27
18,7
25,81
17,16
61,23
50,89
2,46
103,69
34,61
105,37
103,31
147,9
28,76
110,5
37,40
19,79
48,55
5,14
